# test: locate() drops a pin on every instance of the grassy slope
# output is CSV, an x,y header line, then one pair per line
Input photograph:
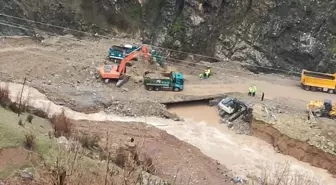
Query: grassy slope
x,y
12,135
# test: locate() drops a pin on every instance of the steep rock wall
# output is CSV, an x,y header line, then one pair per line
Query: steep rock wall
x,y
286,34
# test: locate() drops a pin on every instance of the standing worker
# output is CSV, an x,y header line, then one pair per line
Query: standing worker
x,y
254,90
250,91
207,72
203,75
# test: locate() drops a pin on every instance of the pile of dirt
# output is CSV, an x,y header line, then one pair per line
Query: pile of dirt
x,y
157,75
135,108
140,66
240,126
13,157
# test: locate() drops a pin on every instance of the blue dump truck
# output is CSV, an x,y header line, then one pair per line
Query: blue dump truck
x,y
118,53
173,81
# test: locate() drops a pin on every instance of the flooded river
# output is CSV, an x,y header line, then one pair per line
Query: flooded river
x,y
244,155
197,111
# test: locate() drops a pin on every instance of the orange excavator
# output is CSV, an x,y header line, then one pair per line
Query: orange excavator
x,y
117,72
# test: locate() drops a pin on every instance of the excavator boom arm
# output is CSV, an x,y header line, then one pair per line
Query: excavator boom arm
x,y
132,55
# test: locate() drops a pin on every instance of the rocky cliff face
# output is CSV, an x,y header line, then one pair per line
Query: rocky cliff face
x,y
286,34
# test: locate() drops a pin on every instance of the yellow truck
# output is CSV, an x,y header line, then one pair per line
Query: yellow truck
x,y
313,81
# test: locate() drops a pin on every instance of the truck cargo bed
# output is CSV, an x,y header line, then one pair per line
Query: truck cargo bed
x,y
157,75
162,81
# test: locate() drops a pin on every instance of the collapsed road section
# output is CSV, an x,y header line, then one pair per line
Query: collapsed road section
x,y
234,113
248,119
300,150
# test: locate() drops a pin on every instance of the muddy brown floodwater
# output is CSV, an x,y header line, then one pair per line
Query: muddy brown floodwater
x,y
198,111
236,148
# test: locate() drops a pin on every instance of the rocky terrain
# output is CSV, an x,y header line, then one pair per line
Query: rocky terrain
x,y
290,35
63,67
286,35
303,129
309,140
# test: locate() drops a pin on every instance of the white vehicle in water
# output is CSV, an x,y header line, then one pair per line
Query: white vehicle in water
x,y
233,108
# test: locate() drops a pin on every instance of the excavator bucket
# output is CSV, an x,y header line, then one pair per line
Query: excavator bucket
x,y
122,80
332,113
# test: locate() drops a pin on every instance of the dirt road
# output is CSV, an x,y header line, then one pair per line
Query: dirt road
x,y
274,87
65,65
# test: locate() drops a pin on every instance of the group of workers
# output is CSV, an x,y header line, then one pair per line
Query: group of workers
x,y
252,90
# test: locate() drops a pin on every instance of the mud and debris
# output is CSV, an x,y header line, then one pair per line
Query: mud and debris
x,y
63,69
301,150
298,126
135,108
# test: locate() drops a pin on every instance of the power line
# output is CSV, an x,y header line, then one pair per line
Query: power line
x,y
28,20
88,33
10,25
181,62
15,25
123,40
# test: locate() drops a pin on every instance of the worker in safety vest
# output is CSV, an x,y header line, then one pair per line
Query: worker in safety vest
x,y
250,89
207,72
254,90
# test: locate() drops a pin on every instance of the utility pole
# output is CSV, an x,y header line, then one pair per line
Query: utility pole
x,y
24,83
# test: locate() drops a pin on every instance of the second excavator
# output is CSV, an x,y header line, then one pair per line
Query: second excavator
x,y
230,109
118,72
322,108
